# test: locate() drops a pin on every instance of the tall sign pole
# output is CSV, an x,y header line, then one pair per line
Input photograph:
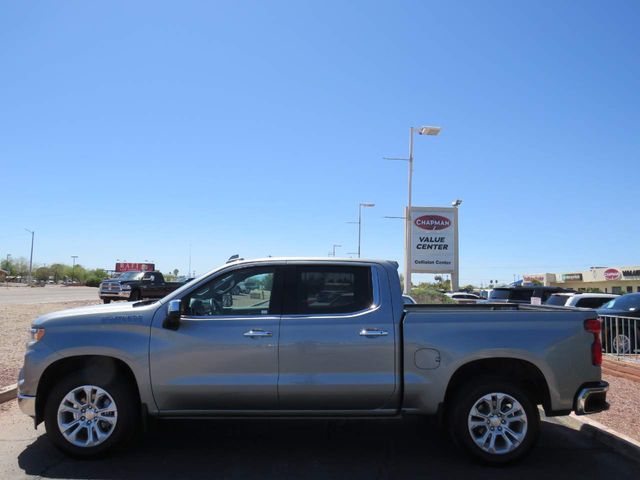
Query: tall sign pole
x,y
407,229
455,276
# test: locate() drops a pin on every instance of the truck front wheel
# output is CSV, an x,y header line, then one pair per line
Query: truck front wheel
x,y
87,417
494,420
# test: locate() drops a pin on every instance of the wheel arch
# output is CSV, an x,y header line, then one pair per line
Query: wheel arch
x,y
528,375
106,367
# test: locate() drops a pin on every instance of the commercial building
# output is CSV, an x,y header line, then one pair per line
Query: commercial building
x,y
618,280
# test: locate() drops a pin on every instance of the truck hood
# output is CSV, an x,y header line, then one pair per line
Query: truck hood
x,y
121,312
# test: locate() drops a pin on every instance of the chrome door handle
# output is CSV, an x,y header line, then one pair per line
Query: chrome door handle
x,y
257,333
373,332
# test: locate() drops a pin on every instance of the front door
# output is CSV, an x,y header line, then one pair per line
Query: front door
x,y
337,341
224,355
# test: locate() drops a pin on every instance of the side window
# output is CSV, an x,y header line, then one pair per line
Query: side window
x,y
332,289
149,277
246,291
522,295
594,302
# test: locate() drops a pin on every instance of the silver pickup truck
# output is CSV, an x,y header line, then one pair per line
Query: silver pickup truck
x,y
312,337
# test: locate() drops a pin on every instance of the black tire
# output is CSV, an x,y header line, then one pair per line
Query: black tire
x,y
127,403
106,300
465,399
134,296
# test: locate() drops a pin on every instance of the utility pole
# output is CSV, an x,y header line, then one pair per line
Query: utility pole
x,y
6,279
31,257
334,249
73,269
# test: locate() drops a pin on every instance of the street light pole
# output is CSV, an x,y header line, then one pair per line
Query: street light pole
x,y
334,249
73,269
366,205
31,257
407,229
455,276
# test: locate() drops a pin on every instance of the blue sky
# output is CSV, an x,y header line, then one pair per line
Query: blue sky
x,y
133,130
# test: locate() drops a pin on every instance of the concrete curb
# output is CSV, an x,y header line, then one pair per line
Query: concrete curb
x,y
8,393
621,443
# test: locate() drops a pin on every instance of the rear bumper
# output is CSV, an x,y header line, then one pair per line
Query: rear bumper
x,y
591,398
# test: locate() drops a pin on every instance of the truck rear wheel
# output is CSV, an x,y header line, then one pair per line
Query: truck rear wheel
x,y
494,420
87,417
134,296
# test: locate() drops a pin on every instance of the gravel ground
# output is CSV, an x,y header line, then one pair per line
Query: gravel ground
x,y
15,321
624,414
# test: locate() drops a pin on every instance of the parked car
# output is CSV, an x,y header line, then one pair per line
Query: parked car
x,y
621,335
133,286
464,297
581,300
91,373
523,294
408,300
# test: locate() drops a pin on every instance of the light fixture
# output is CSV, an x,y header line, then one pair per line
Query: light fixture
x,y
429,130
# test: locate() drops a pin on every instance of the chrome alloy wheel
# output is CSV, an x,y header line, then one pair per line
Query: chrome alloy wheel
x,y
497,423
87,416
621,344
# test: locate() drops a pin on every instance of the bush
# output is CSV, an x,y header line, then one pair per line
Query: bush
x,y
93,282
428,293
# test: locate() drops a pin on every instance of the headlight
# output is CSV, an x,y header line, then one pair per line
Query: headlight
x,y
36,334
125,287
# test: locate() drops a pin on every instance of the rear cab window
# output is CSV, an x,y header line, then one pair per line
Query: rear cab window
x,y
330,289
556,299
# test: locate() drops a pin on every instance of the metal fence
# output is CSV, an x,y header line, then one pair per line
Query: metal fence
x,y
621,336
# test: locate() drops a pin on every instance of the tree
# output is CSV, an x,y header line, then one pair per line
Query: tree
x,y
175,272
42,274
468,288
8,266
57,270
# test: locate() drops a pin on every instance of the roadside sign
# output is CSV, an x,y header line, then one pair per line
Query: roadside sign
x,y
137,267
432,242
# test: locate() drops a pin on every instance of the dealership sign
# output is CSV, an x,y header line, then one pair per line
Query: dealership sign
x,y
631,274
137,267
432,240
612,274
571,277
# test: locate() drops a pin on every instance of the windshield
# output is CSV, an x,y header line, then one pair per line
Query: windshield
x,y
626,302
131,276
499,294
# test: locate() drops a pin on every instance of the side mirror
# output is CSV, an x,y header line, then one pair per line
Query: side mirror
x,y
172,320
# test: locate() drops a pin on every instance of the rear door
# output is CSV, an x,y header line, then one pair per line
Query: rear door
x,y
337,340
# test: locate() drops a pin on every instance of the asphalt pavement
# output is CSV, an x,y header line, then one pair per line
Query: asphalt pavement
x,y
22,295
307,449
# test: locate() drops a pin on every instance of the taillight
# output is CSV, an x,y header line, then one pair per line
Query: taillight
x,y
593,325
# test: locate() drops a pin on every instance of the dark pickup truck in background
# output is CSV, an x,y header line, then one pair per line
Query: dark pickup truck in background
x,y
135,286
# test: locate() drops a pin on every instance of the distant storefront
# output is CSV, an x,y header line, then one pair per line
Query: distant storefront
x,y
618,280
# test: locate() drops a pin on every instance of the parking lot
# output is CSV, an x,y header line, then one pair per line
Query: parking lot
x,y
14,295
410,448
